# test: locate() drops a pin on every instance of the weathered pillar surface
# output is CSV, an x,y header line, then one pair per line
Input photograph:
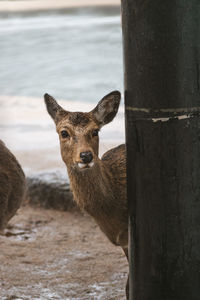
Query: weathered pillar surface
x,y
162,99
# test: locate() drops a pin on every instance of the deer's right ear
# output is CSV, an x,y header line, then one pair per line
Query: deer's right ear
x,y
107,108
53,108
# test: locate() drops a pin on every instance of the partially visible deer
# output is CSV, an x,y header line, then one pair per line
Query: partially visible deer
x,y
12,185
98,185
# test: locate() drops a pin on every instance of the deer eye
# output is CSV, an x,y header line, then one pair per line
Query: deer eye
x,y
95,132
64,134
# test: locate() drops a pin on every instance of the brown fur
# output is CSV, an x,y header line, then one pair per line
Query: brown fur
x,y
78,119
101,189
12,185
101,192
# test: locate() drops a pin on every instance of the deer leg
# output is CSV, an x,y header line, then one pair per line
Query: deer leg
x,y
4,194
127,283
3,208
127,288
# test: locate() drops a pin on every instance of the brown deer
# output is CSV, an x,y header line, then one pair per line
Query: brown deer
x,y
98,185
12,185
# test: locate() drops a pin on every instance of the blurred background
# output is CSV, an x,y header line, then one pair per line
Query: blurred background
x,y
74,54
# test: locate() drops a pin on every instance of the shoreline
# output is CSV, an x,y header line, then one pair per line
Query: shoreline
x,y
28,131
45,5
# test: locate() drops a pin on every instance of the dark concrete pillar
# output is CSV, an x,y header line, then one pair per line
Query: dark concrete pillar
x,y
162,99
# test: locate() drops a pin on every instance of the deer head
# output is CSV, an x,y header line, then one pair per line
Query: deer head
x,y
78,131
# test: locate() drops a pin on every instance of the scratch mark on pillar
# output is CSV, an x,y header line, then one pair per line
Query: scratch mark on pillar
x,y
182,117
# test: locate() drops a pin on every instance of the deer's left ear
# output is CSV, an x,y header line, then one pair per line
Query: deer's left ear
x,y
107,108
53,108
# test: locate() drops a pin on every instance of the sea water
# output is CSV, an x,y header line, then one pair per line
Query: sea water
x,y
74,55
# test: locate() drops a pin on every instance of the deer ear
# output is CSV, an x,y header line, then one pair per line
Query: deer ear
x,y
107,108
53,108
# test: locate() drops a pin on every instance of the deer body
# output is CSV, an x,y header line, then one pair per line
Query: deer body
x,y
98,185
93,191
12,185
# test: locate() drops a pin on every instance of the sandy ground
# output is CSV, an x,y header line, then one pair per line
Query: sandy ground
x,y
19,6
50,254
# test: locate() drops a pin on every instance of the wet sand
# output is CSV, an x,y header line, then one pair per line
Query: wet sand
x,y
52,255
20,6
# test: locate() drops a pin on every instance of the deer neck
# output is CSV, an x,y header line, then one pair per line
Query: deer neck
x,y
90,187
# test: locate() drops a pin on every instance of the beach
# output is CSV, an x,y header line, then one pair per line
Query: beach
x,y
37,5
29,132
55,255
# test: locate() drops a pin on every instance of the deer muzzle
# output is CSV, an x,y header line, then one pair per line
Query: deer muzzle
x,y
86,160
90,165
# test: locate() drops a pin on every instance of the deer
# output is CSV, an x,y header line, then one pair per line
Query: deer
x,y
98,185
12,186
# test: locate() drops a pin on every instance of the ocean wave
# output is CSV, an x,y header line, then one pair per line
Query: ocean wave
x,y
38,55
34,23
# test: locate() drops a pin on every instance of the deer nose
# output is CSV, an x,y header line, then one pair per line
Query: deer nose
x,y
86,157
